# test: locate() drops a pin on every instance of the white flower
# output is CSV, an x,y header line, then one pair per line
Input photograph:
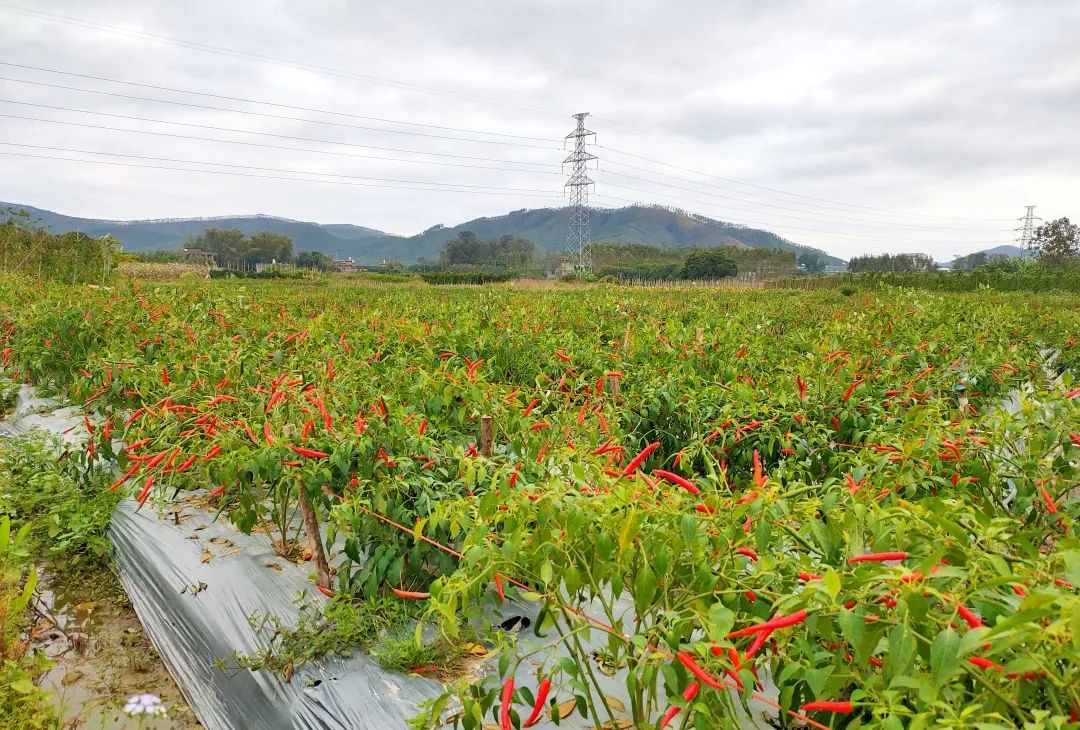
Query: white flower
x,y
145,705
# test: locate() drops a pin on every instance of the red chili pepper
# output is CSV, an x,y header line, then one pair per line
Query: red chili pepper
x,y
1072,393
532,404
688,694
969,618
218,491
877,557
778,622
154,461
514,475
164,376
133,416
504,710
310,453
757,644
146,489
559,354
984,663
1051,505
747,552
187,464
642,455
124,477
538,706
325,591
214,451
330,369
759,478
541,425
801,385
411,595
704,509
807,577
268,434
840,707
499,588
707,679
423,427
676,479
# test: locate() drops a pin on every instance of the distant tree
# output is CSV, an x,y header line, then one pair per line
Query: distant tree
x,y
709,263
1057,242
266,246
467,249
229,245
971,261
314,260
892,263
1008,264
812,262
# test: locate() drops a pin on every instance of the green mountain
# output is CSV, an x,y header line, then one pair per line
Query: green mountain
x,y
546,227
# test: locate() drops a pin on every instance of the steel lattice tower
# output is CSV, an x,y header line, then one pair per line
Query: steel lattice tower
x,y
577,232
1027,230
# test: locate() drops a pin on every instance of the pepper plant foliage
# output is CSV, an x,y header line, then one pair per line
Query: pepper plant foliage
x,y
868,501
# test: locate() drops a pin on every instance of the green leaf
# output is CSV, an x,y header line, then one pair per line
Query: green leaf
x,y
23,686
901,651
644,589
943,656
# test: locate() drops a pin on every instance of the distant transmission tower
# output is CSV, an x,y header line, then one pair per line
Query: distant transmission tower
x,y
1027,230
577,232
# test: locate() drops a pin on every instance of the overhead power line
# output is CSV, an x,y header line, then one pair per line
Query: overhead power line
x,y
430,188
252,132
273,116
796,195
771,226
306,150
824,217
269,103
272,104
262,58
265,169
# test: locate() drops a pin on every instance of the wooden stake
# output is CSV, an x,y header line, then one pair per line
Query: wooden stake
x,y
613,386
485,435
626,337
311,527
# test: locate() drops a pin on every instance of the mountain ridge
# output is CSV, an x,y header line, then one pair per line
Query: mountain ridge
x,y
656,225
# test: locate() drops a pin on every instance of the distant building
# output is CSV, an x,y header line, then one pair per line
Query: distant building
x,y
344,266
835,268
199,256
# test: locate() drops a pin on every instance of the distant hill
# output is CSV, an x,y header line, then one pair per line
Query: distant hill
x,y
546,227
995,252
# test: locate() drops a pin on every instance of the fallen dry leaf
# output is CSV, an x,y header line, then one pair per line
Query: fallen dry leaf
x,y
566,709
207,556
615,704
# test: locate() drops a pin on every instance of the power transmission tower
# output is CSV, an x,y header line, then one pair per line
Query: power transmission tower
x,y
577,232
1027,230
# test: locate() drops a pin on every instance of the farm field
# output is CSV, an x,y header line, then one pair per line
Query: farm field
x,y
836,511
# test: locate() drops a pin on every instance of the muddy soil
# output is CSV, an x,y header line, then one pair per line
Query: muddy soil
x,y
101,656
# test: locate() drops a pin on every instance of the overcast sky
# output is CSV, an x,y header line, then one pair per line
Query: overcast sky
x,y
914,125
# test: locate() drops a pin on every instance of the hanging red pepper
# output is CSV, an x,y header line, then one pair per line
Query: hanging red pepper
x,y
642,455
676,479
532,404
538,706
504,710
707,679
840,707
801,385
310,453
145,490
688,694
877,557
410,595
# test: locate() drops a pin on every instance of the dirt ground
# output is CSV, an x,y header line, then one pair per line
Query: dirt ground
x,y
102,656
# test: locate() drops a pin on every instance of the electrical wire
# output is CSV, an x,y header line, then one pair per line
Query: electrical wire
x,y
260,134
831,214
274,116
269,103
431,187
797,195
769,226
290,149
264,169
272,60
829,219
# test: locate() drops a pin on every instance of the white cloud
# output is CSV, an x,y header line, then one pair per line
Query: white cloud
x,y
930,109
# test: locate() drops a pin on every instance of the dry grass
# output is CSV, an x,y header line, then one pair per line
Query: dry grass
x,y
162,272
